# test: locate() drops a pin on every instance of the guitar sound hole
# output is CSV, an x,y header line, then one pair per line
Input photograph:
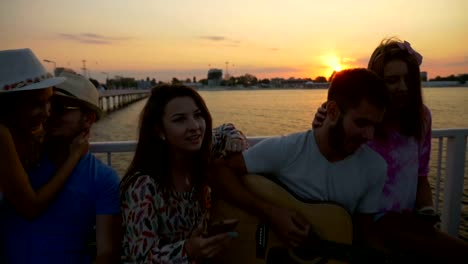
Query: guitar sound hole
x,y
282,255
277,255
309,249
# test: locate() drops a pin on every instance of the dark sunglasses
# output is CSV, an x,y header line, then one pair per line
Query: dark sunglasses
x,y
61,108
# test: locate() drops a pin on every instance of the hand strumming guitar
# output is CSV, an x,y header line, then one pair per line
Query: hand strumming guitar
x,y
290,227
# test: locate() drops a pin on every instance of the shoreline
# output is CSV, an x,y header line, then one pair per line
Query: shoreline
x,y
231,88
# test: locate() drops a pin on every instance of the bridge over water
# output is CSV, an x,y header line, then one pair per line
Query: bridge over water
x,y
110,100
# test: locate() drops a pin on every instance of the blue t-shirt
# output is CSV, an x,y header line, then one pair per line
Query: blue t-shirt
x,y
61,233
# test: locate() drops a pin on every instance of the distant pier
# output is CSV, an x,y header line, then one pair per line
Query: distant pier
x,y
111,100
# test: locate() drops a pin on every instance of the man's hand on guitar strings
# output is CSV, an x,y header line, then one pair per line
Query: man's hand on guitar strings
x,y
291,227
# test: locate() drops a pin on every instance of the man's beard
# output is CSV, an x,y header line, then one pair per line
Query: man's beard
x,y
343,143
62,139
336,138
52,125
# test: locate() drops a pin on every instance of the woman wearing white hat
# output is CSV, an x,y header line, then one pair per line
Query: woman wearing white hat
x,y
25,91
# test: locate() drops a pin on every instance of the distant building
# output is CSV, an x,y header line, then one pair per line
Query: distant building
x,y
424,76
276,82
143,84
194,85
295,82
215,76
121,82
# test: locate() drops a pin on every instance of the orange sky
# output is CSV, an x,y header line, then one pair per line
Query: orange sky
x,y
267,38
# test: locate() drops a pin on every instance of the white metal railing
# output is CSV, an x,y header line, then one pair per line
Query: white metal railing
x,y
454,176
453,180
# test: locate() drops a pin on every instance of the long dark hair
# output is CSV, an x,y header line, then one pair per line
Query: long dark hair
x,y
411,118
152,153
10,104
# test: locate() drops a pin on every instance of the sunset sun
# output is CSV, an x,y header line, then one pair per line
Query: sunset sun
x,y
331,63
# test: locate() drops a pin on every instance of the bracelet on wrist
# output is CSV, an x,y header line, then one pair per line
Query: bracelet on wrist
x,y
428,210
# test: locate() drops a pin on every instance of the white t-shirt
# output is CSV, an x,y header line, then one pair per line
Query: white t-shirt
x,y
296,161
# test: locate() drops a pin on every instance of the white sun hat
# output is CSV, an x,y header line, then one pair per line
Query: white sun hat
x,y
21,70
79,88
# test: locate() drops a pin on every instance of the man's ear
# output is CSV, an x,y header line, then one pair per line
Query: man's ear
x,y
89,119
333,111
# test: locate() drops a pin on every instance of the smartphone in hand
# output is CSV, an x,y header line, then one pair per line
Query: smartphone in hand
x,y
222,226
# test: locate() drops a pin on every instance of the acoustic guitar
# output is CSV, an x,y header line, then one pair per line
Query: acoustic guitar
x,y
256,244
329,242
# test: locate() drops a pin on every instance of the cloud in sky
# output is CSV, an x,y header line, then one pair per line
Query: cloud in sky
x,y
361,62
91,38
270,70
459,63
221,39
213,38
348,60
228,42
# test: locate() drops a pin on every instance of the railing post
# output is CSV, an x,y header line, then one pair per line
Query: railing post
x,y
109,158
108,109
454,180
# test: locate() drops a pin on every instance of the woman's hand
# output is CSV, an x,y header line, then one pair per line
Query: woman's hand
x,y
236,144
80,144
320,116
199,247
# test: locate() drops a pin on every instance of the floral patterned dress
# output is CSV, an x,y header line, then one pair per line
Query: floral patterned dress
x,y
157,222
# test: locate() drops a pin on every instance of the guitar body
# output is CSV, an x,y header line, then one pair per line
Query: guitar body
x,y
329,221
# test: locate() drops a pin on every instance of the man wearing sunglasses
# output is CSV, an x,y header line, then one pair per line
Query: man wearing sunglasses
x,y
89,199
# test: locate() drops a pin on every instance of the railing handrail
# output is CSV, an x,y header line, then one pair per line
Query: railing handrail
x,y
449,132
116,92
454,164
130,145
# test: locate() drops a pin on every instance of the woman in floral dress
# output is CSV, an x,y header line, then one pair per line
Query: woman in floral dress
x,y
164,192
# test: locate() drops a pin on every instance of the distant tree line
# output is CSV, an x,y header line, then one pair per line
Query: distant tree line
x,y
247,79
120,82
251,80
461,78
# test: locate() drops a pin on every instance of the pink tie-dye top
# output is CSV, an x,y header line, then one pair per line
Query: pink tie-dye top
x,y
407,159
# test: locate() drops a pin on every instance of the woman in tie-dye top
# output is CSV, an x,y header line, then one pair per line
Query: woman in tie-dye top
x,y
405,137
404,140
164,193
408,167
